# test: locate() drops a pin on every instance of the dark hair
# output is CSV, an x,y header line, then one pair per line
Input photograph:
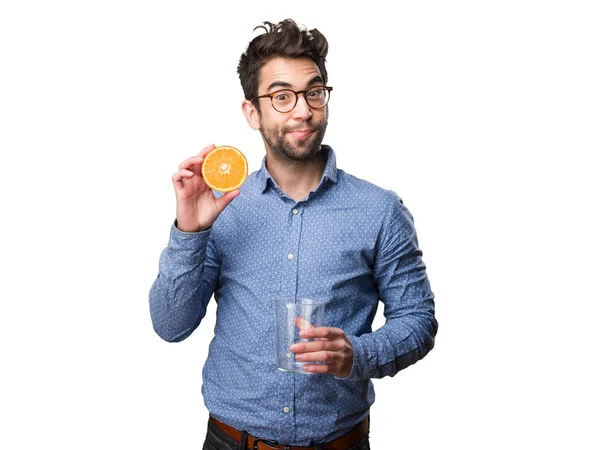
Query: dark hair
x,y
285,39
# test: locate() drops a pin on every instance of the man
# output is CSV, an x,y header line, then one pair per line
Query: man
x,y
298,227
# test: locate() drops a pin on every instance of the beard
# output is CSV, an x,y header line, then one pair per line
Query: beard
x,y
279,142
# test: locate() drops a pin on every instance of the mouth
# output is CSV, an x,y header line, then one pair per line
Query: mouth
x,y
301,134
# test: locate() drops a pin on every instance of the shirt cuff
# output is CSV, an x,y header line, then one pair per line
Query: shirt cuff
x,y
360,367
184,240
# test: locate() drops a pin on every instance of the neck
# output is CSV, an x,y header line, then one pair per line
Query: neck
x,y
296,178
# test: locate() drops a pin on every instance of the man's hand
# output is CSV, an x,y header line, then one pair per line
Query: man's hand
x,y
331,348
197,207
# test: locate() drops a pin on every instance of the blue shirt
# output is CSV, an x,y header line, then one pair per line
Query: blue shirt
x,y
349,243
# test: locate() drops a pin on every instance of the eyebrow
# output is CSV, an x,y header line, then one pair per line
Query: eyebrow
x,y
285,84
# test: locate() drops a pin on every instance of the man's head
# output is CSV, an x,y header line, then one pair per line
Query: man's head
x,y
289,58
285,40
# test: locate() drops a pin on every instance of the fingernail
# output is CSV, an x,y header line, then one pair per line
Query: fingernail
x,y
293,348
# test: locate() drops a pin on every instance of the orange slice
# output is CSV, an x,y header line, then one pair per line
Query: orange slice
x,y
224,168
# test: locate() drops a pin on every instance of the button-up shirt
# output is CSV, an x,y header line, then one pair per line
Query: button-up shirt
x,y
349,243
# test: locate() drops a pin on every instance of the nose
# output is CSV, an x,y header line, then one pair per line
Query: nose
x,y
301,111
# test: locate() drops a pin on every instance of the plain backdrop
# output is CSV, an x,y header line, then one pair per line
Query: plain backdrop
x,y
483,116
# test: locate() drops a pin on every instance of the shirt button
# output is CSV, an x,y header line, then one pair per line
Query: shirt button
x,y
295,211
286,410
290,256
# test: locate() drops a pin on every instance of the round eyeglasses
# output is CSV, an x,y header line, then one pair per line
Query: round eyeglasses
x,y
285,100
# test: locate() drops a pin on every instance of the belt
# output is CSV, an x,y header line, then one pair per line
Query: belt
x,y
344,442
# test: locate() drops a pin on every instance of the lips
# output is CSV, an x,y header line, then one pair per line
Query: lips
x,y
301,134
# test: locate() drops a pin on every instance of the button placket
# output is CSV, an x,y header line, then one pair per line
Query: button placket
x,y
296,225
292,255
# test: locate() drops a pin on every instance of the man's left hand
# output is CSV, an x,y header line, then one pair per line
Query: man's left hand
x,y
331,348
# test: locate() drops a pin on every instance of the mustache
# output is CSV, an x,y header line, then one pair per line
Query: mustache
x,y
302,127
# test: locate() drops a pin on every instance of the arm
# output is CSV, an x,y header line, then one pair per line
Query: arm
x,y
188,269
188,273
410,327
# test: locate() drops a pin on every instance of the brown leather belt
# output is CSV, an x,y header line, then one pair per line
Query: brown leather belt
x,y
344,442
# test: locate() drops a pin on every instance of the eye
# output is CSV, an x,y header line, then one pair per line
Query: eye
x,y
282,96
315,93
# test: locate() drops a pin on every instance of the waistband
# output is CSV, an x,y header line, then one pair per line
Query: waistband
x,y
344,442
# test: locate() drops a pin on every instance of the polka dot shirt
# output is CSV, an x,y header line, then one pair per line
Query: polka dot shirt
x,y
348,243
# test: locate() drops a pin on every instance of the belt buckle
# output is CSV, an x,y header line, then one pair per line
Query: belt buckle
x,y
271,444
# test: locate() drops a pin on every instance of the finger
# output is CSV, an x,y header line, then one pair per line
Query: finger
x,y
191,161
180,175
316,346
302,323
317,368
225,199
206,150
322,332
316,356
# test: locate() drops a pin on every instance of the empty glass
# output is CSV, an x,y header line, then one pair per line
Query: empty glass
x,y
292,317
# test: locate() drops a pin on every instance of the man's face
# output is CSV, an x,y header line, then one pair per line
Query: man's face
x,y
296,135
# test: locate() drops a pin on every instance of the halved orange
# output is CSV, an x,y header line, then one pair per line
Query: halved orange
x,y
224,168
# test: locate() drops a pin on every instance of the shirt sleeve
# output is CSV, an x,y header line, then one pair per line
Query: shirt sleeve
x,y
188,273
403,287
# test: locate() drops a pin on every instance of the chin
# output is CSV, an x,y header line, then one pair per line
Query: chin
x,y
301,154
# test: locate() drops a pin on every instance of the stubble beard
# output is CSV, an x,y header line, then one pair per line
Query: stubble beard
x,y
277,140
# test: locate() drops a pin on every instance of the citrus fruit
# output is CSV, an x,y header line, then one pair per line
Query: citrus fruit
x,y
224,168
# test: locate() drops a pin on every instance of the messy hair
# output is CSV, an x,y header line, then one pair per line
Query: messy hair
x,y
285,39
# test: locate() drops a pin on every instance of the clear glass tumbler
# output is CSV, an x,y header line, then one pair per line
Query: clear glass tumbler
x,y
292,317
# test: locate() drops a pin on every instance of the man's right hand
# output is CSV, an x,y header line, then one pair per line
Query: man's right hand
x,y
197,207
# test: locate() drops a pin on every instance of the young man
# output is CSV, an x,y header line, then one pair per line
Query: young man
x,y
299,227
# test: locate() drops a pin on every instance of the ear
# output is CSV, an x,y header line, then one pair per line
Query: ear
x,y
252,114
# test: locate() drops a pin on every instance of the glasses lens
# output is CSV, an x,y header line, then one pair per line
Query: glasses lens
x,y
317,97
284,101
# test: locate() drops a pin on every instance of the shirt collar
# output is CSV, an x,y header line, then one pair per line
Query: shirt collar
x,y
330,172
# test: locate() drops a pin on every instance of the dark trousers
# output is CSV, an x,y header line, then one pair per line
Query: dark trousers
x,y
217,440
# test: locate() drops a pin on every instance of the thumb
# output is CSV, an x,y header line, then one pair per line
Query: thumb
x,y
302,323
226,199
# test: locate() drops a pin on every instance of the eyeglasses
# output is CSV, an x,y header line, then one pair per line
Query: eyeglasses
x,y
285,100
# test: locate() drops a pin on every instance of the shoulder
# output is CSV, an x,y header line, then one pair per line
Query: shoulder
x,y
383,206
367,193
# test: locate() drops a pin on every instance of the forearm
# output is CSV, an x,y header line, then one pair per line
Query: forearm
x,y
182,290
401,342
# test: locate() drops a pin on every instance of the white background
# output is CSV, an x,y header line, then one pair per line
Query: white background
x,y
482,116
